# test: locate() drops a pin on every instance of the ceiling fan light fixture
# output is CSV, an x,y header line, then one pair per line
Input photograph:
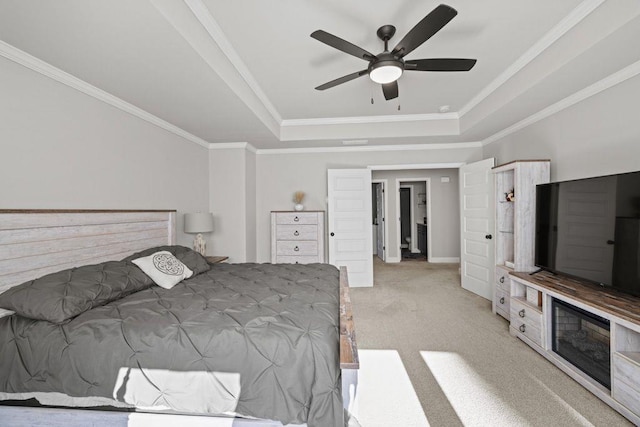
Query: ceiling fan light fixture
x,y
385,72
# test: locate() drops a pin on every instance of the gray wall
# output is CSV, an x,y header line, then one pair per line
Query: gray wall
x,y
598,136
278,176
445,217
61,149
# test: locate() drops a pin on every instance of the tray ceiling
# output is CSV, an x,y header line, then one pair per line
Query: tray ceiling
x,y
245,71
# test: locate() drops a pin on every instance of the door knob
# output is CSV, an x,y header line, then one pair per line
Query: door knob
x,y
332,234
488,237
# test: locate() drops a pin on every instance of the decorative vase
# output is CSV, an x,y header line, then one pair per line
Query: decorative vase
x,y
298,207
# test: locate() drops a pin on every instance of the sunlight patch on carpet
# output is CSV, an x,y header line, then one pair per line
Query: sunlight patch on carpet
x,y
474,401
385,396
573,413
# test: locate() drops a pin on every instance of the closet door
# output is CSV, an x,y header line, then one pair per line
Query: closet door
x,y
477,225
350,217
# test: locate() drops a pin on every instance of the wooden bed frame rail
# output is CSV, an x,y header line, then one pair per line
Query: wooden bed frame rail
x,y
348,348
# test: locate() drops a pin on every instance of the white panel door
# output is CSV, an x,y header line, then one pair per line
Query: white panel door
x,y
477,224
380,225
350,217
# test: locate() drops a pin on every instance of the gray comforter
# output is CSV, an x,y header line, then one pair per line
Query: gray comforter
x,y
275,327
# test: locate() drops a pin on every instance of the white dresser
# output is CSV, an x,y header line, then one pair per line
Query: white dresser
x,y
297,237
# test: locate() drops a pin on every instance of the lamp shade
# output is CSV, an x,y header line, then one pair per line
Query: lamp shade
x,y
199,222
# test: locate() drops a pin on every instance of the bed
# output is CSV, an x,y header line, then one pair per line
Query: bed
x,y
259,341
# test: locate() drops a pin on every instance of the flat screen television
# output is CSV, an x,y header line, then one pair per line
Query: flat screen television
x,y
590,229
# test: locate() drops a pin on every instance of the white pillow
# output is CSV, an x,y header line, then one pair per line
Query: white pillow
x,y
164,269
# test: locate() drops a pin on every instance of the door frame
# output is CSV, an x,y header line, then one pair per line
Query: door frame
x,y
414,226
385,185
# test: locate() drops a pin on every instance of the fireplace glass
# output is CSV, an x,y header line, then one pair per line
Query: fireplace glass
x,y
582,338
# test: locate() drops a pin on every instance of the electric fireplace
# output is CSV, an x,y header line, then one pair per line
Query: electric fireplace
x,y
582,339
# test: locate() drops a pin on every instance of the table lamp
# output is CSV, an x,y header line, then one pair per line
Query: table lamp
x,y
199,222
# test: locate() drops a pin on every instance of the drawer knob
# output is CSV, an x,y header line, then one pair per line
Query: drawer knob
x,y
521,313
296,219
502,279
522,328
502,300
295,233
297,249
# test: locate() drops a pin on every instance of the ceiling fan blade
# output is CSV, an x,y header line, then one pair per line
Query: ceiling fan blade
x,y
342,79
343,45
440,64
390,90
425,29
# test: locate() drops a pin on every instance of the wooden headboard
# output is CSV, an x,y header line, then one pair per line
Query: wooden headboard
x,y
38,242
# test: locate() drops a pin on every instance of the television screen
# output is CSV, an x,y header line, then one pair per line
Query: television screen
x,y
590,229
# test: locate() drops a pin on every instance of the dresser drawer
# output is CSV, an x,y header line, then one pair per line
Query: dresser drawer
x,y
286,259
301,248
296,232
294,218
297,237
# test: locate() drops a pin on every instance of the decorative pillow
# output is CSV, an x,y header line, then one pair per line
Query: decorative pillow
x,y
192,259
59,296
164,269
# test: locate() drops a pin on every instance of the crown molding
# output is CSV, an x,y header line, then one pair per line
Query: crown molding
x,y
232,145
39,66
594,89
369,148
204,16
575,17
454,165
369,119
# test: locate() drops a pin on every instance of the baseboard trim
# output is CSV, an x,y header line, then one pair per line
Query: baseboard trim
x,y
447,260
392,259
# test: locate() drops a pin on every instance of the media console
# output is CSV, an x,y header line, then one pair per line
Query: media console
x,y
589,332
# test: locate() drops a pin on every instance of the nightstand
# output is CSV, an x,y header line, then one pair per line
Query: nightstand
x,y
216,259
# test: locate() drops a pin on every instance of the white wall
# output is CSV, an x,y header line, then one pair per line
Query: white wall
x,y
250,220
228,202
278,176
445,218
62,149
598,136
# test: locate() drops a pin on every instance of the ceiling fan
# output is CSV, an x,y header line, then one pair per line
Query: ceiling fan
x,y
387,67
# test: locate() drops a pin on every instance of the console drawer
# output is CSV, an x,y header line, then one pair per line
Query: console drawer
x,y
502,280
626,382
526,320
503,302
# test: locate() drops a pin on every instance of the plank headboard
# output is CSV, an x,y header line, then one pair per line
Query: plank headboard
x,y
38,242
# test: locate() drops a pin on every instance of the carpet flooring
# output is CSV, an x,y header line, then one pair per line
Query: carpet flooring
x,y
463,365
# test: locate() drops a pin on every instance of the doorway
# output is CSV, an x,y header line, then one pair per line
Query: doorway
x,y
406,217
379,214
413,207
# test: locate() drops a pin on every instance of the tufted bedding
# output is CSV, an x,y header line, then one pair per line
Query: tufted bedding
x,y
257,340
